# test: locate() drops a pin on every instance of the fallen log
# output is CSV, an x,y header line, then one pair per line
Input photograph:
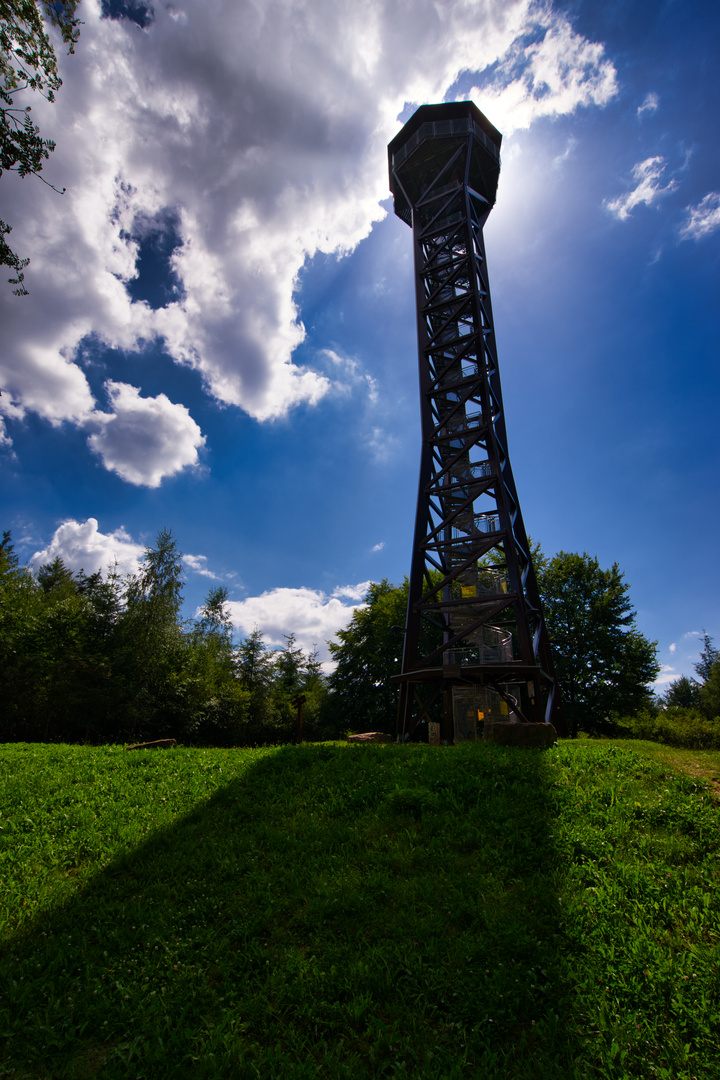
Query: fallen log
x,y
156,744
370,737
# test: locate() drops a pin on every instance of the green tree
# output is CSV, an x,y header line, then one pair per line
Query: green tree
x,y
214,618
313,674
297,673
708,668
159,584
151,648
604,664
56,579
708,658
19,603
28,62
215,705
368,654
56,640
682,693
254,666
255,669
289,667
688,693
710,693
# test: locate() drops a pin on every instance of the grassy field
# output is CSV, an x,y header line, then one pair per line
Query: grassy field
x,y
359,911
701,764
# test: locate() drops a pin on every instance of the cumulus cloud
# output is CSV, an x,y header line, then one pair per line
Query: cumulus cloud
x,y
353,592
553,74
144,440
378,547
82,546
310,614
258,132
648,189
703,218
667,675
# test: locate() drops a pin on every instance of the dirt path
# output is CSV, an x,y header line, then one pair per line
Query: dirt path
x,y
701,764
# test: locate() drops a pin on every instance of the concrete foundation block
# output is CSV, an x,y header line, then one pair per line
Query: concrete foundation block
x,y
515,734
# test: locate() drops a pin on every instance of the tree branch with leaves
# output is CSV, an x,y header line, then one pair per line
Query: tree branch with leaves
x,y
28,62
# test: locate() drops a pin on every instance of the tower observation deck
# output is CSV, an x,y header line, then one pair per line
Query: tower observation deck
x,y
476,647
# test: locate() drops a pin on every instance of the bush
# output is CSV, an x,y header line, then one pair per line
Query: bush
x,y
673,726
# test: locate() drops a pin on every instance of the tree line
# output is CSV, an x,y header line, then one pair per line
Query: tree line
x,y
108,658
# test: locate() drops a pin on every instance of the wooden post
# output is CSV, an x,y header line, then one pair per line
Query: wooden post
x,y
298,702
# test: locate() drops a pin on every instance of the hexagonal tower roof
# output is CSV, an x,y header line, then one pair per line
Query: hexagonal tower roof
x,y
434,131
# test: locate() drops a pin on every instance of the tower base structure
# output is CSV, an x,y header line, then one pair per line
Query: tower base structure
x,y
476,648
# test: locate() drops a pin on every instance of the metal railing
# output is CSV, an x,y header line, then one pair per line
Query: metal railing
x,y
461,126
480,584
478,523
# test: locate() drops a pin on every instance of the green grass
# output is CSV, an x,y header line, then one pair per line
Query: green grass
x,y
357,911
703,764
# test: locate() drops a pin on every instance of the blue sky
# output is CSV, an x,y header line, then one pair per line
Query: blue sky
x,y
220,331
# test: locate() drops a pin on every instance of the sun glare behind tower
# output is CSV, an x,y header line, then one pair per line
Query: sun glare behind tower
x,y
476,647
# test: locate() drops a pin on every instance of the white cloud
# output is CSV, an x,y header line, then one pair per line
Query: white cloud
x,y
262,128
350,375
555,74
567,153
647,190
144,439
197,563
5,440
353,592
378,547
310,614
47,383
649,104
667,675
682,655
383,446
82,546
703,218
